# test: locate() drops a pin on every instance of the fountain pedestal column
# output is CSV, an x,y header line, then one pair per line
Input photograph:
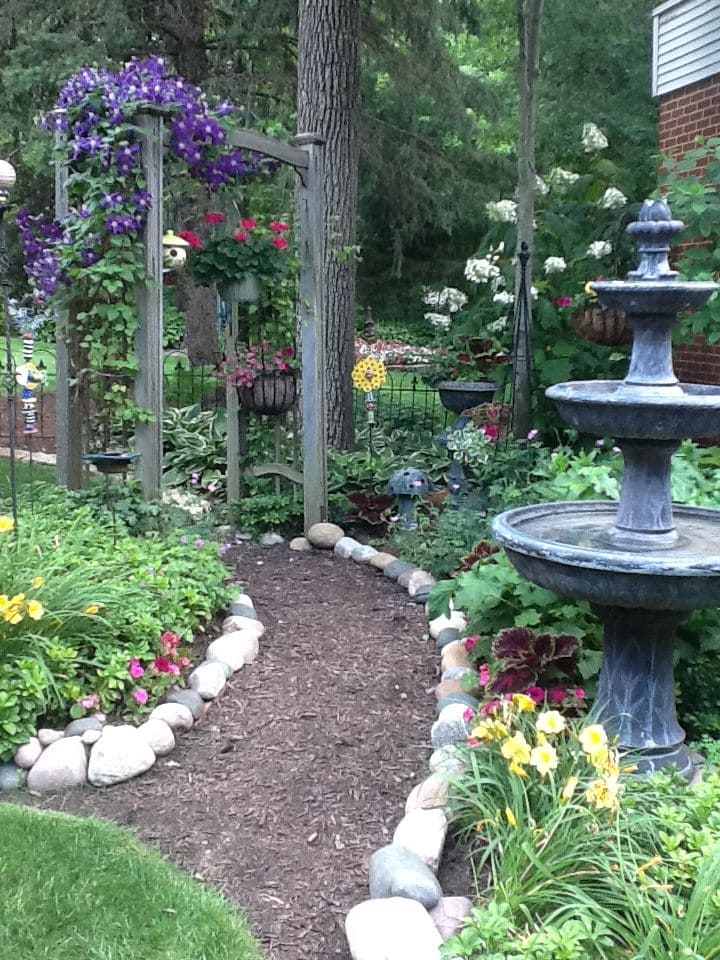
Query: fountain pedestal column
x,y
635,693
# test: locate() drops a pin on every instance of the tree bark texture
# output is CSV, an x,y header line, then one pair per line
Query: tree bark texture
x,y
199,304
328,102
529,22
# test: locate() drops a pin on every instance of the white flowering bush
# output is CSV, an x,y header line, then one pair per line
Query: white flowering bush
x,y
555,265
612,199
502,211
599,249
593,139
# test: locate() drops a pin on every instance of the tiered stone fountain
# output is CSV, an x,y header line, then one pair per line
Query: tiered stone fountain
x,y
642,563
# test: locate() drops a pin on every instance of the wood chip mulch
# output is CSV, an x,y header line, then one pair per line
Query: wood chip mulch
x,y
300,770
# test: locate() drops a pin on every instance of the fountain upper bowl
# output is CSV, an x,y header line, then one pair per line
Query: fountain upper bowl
x,y
566,548
610,408
661,297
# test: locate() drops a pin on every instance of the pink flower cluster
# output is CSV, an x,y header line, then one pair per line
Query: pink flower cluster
x,y
260,358
168,662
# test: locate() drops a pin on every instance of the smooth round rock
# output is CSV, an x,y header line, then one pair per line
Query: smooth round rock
x,y
455,673
447,687
158,736
422,831
235,649
456,619
61,765
466,699
78,727
120,754
188,698
445,761
208,680
12,777
177,716
422,595
242,610
300,544
397,872
431,793
449,913
395,569
271,539
382,560
392,929
324,536
344,547
454,655
244,598
28,754
363,553
446,636
231,624
46,736
450,727
404,578
90,737
420,580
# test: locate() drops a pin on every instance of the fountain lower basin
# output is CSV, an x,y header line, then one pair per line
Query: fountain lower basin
x,y
566,547
610,408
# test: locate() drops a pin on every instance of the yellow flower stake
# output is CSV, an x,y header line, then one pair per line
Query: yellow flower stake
x,y
369,374
7,524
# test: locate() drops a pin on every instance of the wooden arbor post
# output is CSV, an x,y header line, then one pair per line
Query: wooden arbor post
x,y
304,154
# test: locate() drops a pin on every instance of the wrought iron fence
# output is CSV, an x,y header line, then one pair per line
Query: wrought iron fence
x,y
404,402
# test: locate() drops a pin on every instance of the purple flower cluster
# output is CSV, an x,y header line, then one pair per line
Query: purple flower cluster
x,y
94,110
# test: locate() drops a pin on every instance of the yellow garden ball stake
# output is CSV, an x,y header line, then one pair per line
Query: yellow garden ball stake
x,y
369,374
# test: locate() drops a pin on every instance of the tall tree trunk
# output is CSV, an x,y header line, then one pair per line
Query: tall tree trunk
x,y
529,22
328,102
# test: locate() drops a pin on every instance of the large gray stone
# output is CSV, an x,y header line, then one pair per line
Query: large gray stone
x,y
382,560
446,636
450,727
392,929
446,761
46,736
466,699
422,832
28,754
421,580
363,553
456,619
448,915
271,539
61,765
188,698
120,754
324,536
300,544
395,569
209,679
176,715
231,624
430,794
405,577
344,547
158,735
235,649
76,728
242,610
422,595
12,777
457,673
397,872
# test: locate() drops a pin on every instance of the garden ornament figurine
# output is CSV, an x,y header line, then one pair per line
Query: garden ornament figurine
x,y
406,486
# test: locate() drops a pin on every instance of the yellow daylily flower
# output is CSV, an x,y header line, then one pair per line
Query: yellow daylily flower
x,y
603,793
38,582
516,748
510,817
35,610
655,862
489,730
593,738
91,610
518,770
524,703
544,758
568,790
6,524
550,721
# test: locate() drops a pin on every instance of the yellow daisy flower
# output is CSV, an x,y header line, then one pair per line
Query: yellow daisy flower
x,y
35,610
544,758
550,721
6,524
593,738
369,374
516,748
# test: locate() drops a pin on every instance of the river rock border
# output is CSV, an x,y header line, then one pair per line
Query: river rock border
x,y
91,751
406,915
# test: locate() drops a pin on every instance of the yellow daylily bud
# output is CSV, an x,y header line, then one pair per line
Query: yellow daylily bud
x,y
510,817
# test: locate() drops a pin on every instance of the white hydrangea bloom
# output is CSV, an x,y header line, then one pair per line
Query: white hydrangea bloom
x,y
562,178
502,211
555,265
541,188
481,270
599,248
449,297
533,293
497,327
504,297
612,199
441,321
593,138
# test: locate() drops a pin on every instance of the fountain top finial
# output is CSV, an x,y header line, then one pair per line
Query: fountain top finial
x,y
654,229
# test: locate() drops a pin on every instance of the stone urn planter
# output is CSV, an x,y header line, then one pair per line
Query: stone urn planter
x,y
460,395
271,393
609,328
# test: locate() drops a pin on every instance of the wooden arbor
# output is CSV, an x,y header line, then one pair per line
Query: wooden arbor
x,y
304,154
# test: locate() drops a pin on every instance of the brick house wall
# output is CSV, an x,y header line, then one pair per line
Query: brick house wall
x,y
685,114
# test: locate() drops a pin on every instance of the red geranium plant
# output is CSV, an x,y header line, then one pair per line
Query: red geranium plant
x,y
237,251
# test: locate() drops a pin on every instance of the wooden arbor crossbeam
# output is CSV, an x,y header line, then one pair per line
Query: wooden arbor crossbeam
x,y
304,154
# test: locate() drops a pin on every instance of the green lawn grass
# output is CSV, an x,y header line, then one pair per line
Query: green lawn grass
x,y
85,890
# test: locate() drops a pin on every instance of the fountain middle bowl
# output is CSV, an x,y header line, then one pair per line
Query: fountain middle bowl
x,y
565,548
610,408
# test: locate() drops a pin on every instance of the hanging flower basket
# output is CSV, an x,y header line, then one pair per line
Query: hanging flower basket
x,y
609,328
270,393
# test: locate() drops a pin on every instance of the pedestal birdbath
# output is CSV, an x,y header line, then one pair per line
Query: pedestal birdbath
x,y
642,563
459,396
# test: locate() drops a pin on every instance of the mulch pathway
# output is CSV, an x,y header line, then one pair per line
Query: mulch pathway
x,y
302,767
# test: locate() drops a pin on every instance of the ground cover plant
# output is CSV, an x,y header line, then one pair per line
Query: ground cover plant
x,y
105,897
94,618
574,857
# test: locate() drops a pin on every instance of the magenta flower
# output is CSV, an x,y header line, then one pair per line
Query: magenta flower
x,y
470,643
469,715
536,693
557,694
136,669
140,696
580,693
532,434
484,678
